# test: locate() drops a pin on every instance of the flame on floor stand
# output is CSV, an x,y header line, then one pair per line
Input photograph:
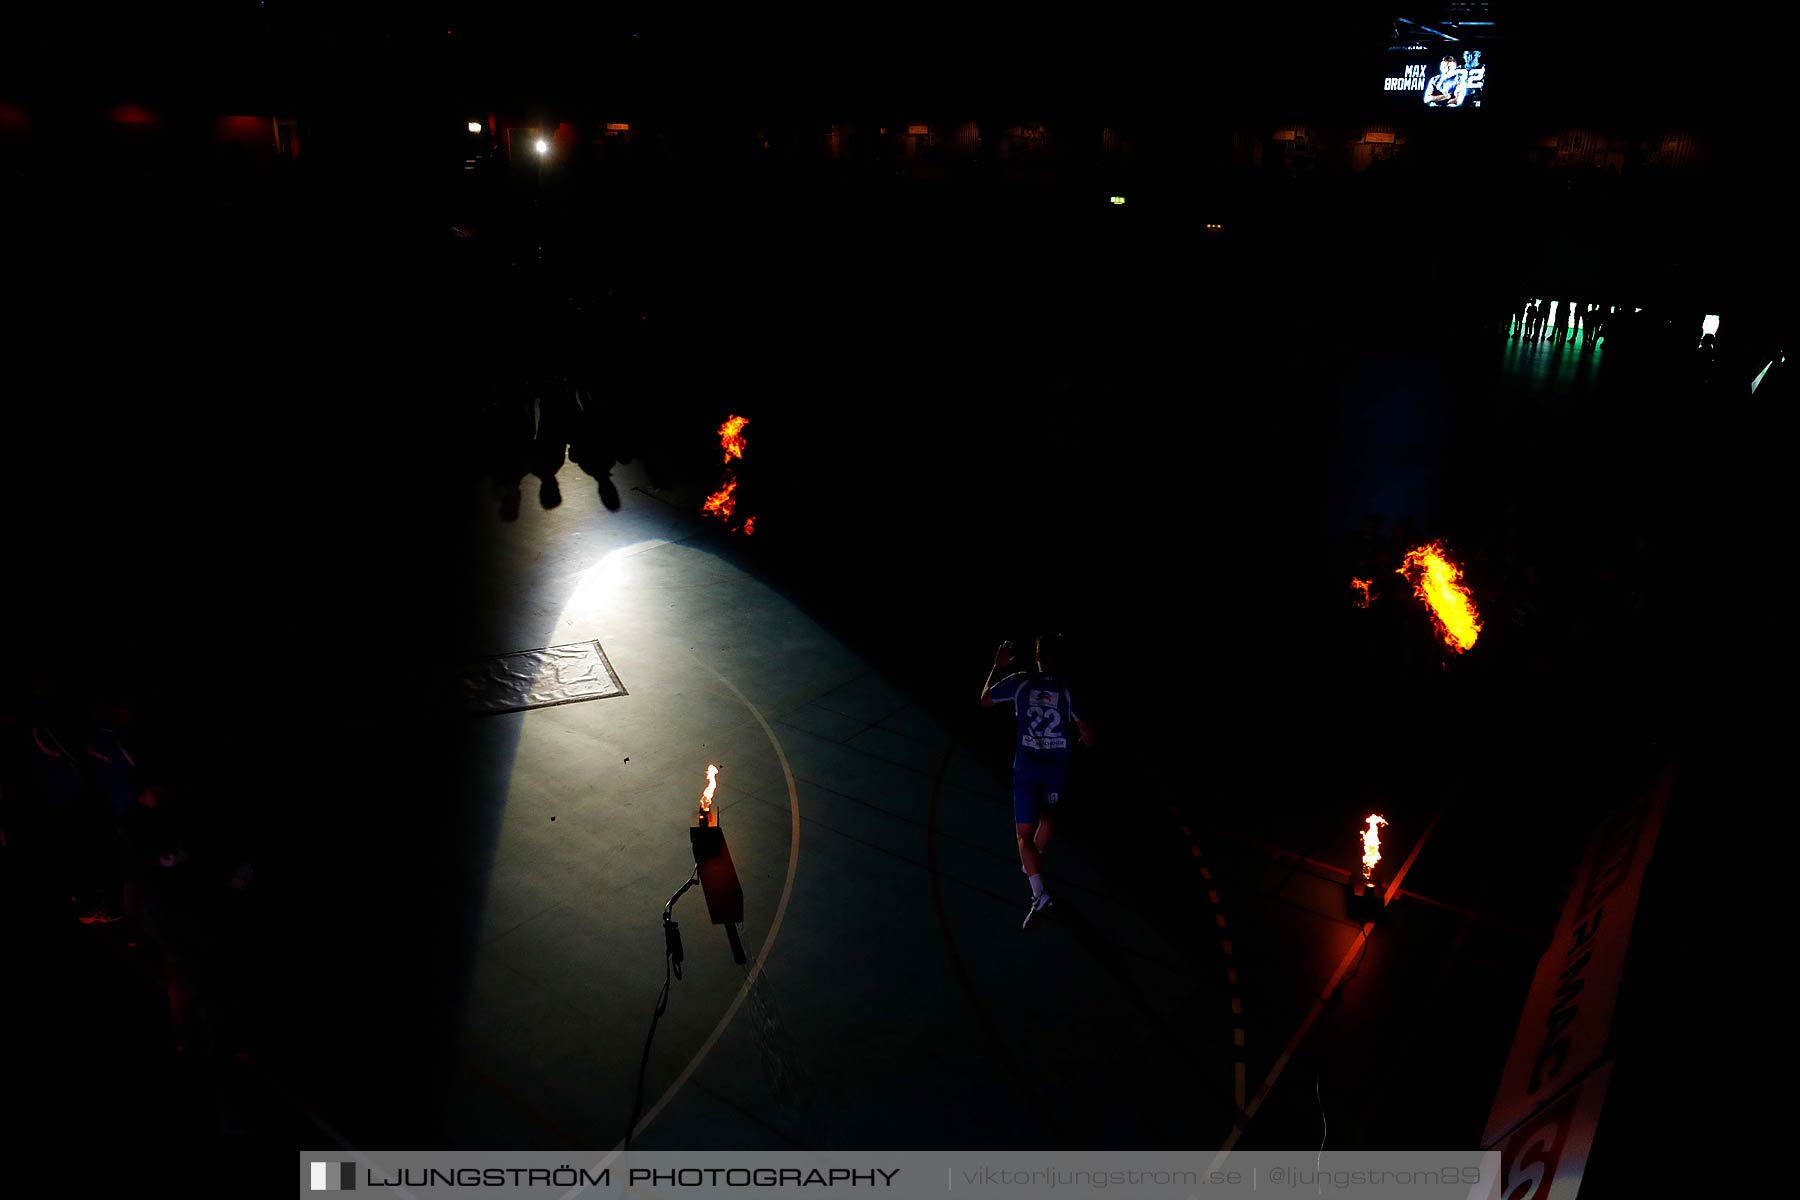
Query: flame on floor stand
x,y
718,881
718,876
1362,892
706,797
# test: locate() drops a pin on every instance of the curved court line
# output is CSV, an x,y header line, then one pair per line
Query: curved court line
x,y
762,953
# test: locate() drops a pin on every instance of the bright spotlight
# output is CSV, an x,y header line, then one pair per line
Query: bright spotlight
x,y
1118,199
543,147
474,126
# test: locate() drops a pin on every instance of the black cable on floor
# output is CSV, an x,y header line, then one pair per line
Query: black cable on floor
x,y
672,956
662,1006
1324,1128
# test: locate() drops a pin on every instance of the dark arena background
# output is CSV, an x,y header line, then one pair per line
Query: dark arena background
x,y
356,358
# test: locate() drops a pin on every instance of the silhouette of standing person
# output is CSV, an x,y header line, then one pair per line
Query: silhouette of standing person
x,y
550,438
508,442
593,446
1570,320
1367,546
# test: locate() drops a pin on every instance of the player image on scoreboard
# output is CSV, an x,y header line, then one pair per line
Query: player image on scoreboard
x,y
1453,80
1457,82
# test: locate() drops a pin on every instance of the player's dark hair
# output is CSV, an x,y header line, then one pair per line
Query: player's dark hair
x,y
1050,652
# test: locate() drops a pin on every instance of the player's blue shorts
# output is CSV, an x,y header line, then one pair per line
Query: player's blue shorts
x,y
1036,788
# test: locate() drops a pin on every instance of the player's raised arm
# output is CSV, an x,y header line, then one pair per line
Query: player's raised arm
x,y
1002,660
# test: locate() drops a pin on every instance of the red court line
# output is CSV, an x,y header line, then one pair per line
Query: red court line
x,y
520,1103
1331,869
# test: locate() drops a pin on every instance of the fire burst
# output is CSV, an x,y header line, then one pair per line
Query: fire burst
x,y
1362,587
1371,840
723,503
731,437
1436,581
712,783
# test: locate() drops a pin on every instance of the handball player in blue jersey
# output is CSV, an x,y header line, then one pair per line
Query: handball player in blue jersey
x,y
1047,721
1449,87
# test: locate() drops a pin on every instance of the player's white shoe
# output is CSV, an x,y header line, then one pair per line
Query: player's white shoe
x,y
1040,905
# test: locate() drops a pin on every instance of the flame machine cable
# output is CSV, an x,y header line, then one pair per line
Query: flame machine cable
x,y
1324,1127
672,957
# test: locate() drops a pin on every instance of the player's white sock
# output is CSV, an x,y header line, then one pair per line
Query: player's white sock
x,y
1037,886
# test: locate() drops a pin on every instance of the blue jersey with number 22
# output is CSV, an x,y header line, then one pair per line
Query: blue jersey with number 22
x,y
1046,715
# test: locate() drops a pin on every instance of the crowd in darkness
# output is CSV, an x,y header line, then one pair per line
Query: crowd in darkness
x,y
118,866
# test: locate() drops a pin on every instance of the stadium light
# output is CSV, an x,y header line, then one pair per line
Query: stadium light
x,y
543,147
1118,199
474,126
